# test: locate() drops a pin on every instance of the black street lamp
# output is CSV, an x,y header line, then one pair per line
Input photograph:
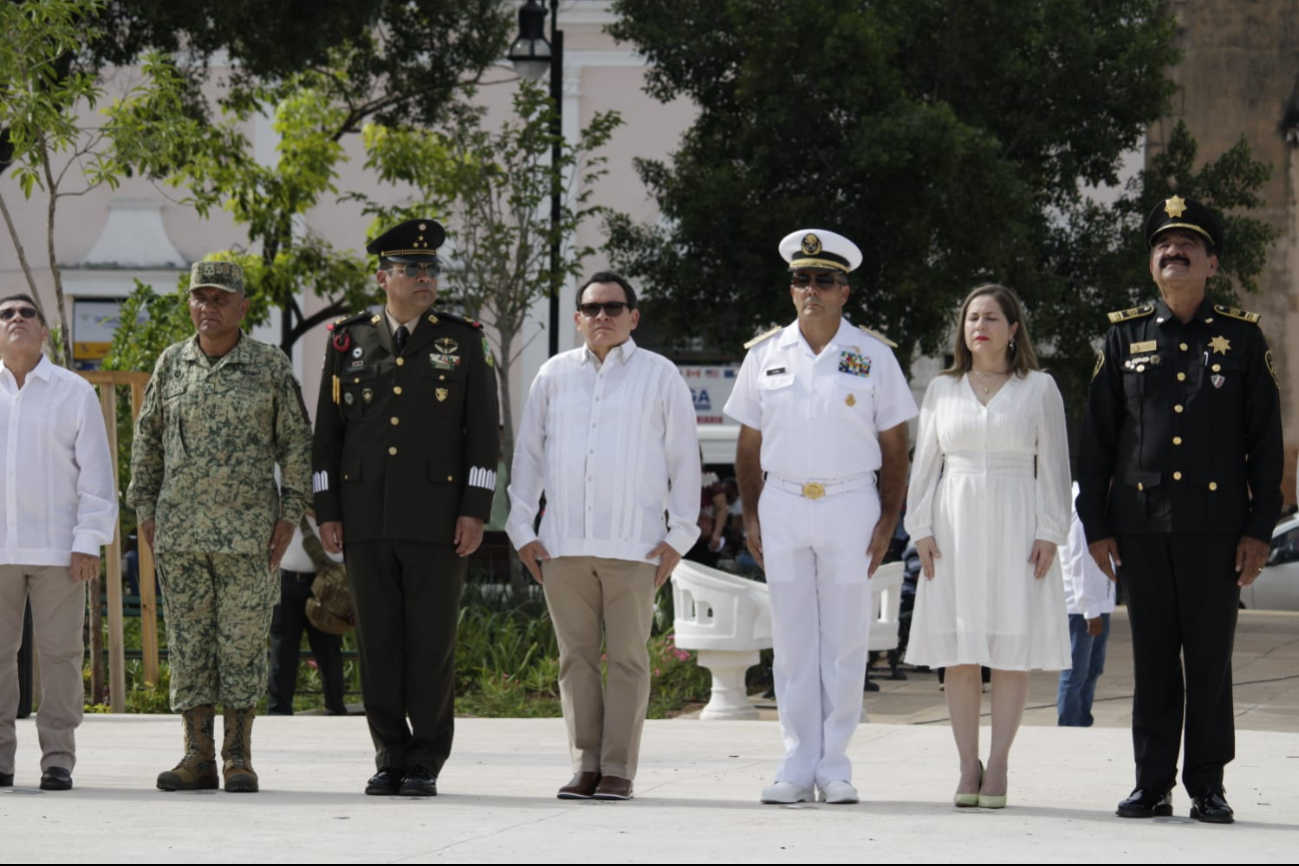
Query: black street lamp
x,y
531,55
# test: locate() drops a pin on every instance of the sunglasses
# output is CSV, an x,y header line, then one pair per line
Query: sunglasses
x,y
613,309
9,312
412,269
821,281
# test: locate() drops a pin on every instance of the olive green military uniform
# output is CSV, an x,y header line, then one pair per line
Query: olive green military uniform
x,y
206,444
405,444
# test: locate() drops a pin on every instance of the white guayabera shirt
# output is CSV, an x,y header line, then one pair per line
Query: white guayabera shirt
x,y
614,447
58,473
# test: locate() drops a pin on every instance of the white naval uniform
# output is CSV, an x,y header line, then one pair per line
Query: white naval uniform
x,y
820,416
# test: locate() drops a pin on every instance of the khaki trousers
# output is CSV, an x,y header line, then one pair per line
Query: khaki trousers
x,y
590,598
58,614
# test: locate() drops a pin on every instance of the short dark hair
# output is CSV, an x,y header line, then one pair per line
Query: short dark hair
x,y
22,296
609,277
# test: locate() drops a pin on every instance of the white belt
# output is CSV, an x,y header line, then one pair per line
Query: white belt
x,y
818,489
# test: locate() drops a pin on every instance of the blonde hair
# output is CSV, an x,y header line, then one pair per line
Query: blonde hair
x,y
1020,357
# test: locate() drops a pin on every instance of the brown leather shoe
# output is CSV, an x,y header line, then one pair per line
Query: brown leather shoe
x,y
613,788
580,787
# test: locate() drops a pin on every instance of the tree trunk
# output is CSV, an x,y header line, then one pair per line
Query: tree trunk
x,y
52,188
506,333
22,256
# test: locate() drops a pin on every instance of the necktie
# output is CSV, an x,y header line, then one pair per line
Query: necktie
x,y
402,336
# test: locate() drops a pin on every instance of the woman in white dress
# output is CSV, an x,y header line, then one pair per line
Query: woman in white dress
x,y
987,507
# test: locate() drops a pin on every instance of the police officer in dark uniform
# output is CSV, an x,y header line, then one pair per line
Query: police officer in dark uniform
x,y
406,448
1180,478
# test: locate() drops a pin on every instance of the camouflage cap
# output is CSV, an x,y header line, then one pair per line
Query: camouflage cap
x,y
227,276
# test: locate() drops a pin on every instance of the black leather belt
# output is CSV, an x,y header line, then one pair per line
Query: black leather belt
x,y
299,576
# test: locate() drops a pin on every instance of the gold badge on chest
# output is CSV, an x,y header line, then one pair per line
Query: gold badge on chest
x,y
851,400
442,394
446,345
1220,344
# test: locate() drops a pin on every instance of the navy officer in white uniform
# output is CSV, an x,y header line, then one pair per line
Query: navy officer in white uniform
x,y
823,453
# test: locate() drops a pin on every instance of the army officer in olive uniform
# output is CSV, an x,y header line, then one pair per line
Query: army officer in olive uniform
x,y
405,457
1180,485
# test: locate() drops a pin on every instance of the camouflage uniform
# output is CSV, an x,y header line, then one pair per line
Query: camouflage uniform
x,y
206,444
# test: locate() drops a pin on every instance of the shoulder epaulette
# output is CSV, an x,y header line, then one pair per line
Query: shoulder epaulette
x,y
877,335
461,319
348,320
758,339
1134,313
1243,315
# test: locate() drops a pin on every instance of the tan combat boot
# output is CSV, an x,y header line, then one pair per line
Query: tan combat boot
x,y
197,770
237,751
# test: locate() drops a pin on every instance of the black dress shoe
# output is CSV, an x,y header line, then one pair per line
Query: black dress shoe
x,y
56,779
385,783
419,782
1146,803
6,780
1211,807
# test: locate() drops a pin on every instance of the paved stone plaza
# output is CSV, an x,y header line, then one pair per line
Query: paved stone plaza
x,y
696,794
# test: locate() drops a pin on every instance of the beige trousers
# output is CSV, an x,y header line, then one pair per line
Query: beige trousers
x,y
58,614
592,598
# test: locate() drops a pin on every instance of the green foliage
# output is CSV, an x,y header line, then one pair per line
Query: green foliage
x,y
43,135
943,137
405,58
675,678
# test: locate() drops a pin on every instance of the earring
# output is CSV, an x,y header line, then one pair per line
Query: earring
x,y
1012,347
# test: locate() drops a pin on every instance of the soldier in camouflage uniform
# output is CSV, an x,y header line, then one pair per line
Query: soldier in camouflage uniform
x,y
220,412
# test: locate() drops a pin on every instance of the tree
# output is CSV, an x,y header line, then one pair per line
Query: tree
x,y
411,52
406,69
51,147
953,140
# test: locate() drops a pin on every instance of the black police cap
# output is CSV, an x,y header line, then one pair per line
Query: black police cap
x,y
1185,213
412,241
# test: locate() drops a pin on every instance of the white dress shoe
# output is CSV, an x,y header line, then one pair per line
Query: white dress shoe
x,y
785,792
837,793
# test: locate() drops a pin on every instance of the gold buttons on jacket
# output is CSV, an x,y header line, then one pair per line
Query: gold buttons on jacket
x,y
1177,440
1178,408
395,421
401,362
1181,377
396,390
1181,346
1140,486
1177,476
392,450
1213,485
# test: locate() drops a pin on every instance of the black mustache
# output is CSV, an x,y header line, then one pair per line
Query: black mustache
x,y
1166,259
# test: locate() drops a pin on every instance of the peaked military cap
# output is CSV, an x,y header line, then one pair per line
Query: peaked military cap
x,y
412,241
226,276
817,248
1185,213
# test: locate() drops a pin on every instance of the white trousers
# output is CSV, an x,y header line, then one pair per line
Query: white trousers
x,y
815,553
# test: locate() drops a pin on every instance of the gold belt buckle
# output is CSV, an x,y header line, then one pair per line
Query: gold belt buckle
x,y
812,490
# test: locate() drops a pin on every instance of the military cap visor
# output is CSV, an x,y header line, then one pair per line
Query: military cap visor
x,y
411,241
1186,214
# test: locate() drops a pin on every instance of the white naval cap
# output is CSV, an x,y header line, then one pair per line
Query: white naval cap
x,y
818,248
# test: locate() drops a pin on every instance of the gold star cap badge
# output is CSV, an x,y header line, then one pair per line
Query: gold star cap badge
x,y
1175,206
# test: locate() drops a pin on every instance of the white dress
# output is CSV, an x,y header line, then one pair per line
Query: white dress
x,y
987,481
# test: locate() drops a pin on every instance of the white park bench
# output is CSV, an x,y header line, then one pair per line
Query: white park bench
x,y
726,620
